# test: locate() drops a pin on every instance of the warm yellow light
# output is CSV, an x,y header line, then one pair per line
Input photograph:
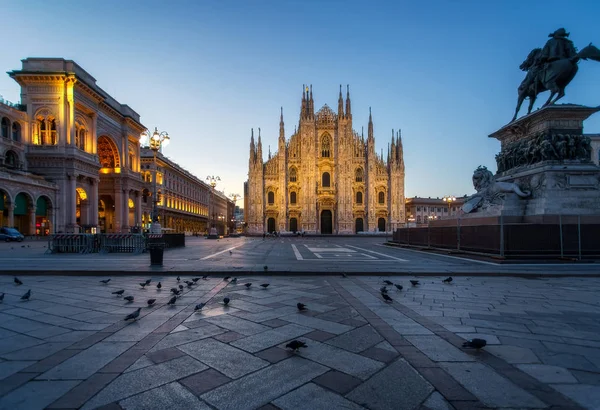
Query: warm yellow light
x,y
131,205
81,194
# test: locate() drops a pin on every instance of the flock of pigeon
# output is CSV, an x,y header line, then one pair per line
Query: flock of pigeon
x,y
294,345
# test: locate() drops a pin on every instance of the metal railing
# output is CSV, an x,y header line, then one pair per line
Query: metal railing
x,y
111,242
554,236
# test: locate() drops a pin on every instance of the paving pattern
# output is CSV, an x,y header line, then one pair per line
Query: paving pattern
x,y
69,347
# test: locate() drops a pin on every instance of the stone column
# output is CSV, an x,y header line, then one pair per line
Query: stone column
x,y
125,211
71,198
84,208
138,208
93,201
118,210
11,215
31,220
50,217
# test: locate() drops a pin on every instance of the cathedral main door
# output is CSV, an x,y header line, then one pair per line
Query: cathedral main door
x,y
271,225
381,224
359,226
326,222
293,225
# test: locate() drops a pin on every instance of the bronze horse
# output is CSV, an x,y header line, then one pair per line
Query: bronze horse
x,y
553,76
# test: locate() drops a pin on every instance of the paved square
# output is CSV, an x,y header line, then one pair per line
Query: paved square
x,y
77,351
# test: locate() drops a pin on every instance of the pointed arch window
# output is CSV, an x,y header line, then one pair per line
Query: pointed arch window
x,y
325,146
293,198
293,174
381,197
47,134
358,175
271,198
326,180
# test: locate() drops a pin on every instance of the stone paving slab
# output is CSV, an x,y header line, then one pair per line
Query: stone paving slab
x,y
438,350
269,338
260,388
169,396
147,378
318,324
585,395
36,394
187,336
548,374
312,397
492,389
230,361
398,386
242,326
357,340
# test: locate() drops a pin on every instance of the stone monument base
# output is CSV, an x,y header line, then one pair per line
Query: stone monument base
x,y
213,234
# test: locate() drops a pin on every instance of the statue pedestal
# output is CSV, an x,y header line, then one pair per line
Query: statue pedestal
x,y
547,154
213,234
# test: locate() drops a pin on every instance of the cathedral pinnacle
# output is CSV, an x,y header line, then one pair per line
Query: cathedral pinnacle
x,y
340,104
348,107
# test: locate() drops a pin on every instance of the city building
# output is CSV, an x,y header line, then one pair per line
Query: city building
x,y
419,211
595,140
326,178
70,153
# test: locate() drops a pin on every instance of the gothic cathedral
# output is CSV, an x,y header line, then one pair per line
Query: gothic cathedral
x,y
326,179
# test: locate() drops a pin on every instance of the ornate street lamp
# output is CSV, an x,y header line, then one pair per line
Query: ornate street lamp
x,y
449,200
154,141
212,180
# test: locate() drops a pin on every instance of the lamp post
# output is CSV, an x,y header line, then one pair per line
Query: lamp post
x,y
449,200
212,180
155,141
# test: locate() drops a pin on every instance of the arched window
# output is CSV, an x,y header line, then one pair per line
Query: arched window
x,y
326,146
326,180
292,197
16,131
131,158
293,174
358,175
5,124
11,159
381,198
47,134
271,198
359,197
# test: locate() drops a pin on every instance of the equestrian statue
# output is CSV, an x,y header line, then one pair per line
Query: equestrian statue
x,y
552,68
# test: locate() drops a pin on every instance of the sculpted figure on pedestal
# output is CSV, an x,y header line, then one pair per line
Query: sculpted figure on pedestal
x,y
551,69
489,191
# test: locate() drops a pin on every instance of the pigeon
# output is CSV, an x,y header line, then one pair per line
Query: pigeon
x,y
151,302
230,252
172,300
226,277
234,280
225,301
301,306
143,284
475,343
399,287
174,290
18,281
27,295
414,282
189,284
388,282
148,281
134,315
266,268
295,345
195,280
1,297
105,281
128,298
264,285
383,289
247,285
180,287
205,277
344,275
448,279
119,292
178,278
158,285
199,306
386,297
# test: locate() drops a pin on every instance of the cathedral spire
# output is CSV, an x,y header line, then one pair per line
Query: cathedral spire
x,y
303,110
259,148
311,104
370,132
394,156
252,146
281,126
348,107
340,104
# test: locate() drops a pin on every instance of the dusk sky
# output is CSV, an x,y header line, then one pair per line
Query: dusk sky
x,y
444,72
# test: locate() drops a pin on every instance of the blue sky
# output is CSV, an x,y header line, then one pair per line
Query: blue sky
x,y
445,72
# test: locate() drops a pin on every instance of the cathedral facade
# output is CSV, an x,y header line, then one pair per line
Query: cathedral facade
x,y
326,179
